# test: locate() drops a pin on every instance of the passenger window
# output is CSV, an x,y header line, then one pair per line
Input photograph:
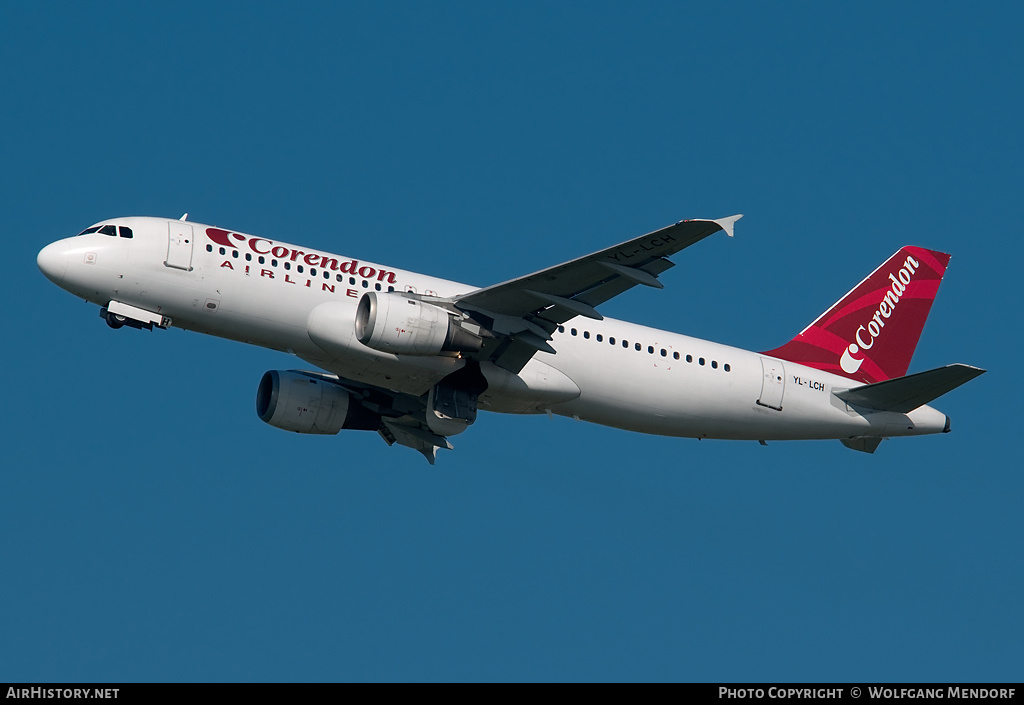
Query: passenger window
x,y
366,284
600,338
561,329
126,232
664,353
701,361
262,260
586,334
650,349
223,251
209,248
689,358
573,331
108,230
299,269
339,277
637,346
625,343
312,271
377,287
234,253
611,340
714,364
273,263
675,356
287,265
727,368
391,288
327,275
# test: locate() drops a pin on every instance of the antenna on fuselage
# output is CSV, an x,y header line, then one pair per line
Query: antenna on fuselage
x,y
184,217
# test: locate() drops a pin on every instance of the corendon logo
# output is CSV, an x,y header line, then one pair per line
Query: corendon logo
x,y
262,246
867,335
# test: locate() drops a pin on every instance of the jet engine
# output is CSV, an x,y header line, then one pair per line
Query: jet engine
x,y
306,404
396,324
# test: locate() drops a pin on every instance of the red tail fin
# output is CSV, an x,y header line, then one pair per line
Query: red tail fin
x,y
871,333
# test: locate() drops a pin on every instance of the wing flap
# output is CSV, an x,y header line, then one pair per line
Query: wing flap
x,y
904,394
634,274
413,435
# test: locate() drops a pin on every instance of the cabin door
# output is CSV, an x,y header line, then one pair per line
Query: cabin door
x,y
179,245
773,383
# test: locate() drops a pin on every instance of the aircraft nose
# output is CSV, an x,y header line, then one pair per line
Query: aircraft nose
x,y
53,261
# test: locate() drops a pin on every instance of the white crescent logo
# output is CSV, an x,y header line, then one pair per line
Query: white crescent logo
x,y
847,362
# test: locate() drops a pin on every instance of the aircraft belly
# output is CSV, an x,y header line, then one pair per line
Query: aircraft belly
x,y
535,388
665,396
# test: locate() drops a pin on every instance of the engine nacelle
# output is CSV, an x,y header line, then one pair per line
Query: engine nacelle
x,y
403,326
304,404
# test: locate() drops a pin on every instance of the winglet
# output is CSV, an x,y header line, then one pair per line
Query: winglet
x,y
727,224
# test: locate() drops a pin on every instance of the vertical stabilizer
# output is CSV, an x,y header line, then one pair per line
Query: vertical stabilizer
x,y
870,334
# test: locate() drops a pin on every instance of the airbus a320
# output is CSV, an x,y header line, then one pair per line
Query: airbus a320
x,y
415,357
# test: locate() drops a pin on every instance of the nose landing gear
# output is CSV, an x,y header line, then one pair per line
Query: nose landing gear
x,y
115,321
119,320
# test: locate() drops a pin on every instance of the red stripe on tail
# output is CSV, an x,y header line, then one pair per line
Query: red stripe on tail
x,y
870,334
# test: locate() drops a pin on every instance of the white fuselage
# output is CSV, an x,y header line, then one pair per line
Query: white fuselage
x,y
609,372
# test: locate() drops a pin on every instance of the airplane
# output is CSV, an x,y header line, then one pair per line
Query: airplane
x,y
415,357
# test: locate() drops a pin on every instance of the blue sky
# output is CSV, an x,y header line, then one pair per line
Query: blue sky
x,y
152,528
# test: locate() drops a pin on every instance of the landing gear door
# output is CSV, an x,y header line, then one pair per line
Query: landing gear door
x,y
179,245
773,384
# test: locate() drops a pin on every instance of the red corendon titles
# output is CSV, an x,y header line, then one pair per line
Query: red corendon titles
x,y
262,246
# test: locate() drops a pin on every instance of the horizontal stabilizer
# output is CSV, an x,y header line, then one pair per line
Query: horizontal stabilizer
x,y
904,394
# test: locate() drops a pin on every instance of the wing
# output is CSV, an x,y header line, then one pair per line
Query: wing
x,y
515,320
523,313
396,417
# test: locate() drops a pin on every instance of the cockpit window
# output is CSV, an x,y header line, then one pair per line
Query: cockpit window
x,y
126,232
109,230
90,230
